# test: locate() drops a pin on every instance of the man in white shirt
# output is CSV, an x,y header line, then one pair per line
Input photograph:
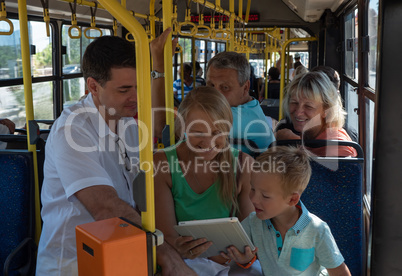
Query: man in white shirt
x,y
92,158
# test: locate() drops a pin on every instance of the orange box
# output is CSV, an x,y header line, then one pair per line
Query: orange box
x,y
113,247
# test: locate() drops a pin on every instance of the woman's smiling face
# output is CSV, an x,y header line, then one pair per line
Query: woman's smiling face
x,y
306,113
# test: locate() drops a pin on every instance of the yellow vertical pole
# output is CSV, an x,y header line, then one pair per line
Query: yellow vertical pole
x,y
167,11
26,71
241,9
152,18
231,25
193,60
144,106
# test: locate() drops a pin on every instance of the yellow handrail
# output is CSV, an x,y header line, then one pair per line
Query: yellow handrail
x,y
3,17
201,25
93,24
46,17
74,24
144,105
187,22
27,79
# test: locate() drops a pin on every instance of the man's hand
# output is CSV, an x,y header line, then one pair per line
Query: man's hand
x,y
9,124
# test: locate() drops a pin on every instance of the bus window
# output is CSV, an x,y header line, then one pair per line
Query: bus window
x,y
12,102
369,125
351,104
10,53
74,87
351,48
42,59
372,31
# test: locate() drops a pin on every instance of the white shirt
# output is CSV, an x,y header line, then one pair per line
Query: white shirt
x,y
81,152
3,130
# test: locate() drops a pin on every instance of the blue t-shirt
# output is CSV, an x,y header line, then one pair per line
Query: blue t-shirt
x,y
249,122
177,88
309,246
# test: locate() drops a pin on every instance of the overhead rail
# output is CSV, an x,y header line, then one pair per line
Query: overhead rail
x,y
74,25
99,6
46,16
3,18
93,23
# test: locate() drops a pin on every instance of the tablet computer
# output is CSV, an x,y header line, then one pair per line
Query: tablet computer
x,y
222,232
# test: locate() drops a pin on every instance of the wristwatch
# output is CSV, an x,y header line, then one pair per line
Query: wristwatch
x,y
156,75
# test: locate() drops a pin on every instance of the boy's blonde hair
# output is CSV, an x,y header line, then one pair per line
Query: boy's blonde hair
x,y
296,170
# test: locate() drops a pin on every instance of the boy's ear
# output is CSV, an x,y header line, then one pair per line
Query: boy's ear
x,y
294,199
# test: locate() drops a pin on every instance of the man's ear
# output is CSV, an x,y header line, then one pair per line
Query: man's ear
x,y
294,199
92,85
246,87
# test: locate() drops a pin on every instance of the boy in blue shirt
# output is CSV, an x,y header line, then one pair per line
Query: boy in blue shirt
x,y
291,240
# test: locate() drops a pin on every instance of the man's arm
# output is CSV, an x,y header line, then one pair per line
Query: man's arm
x,y
158,85
102,202
8,123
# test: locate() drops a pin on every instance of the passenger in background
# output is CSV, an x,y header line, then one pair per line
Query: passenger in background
x,y
187,83
6,127
333,75
196,178
253,84
199,80
274,84
314,110
290,240
300,70
297,61
229,73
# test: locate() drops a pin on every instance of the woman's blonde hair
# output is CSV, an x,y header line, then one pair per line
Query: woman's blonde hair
x,y
215,105
318,87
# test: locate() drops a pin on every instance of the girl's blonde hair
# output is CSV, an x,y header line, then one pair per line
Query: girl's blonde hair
x,y
318,87
215,105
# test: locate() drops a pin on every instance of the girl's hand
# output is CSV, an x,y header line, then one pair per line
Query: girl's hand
x,y
190,248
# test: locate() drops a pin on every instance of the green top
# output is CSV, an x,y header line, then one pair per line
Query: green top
x,y
188,204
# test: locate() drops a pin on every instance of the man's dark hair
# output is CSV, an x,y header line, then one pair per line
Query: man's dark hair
x,y
105,53
273,72
330,72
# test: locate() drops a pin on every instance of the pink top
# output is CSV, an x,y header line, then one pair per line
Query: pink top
x,y
334,134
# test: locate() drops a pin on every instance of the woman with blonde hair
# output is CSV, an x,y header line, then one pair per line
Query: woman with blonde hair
x,y
314,111
201,177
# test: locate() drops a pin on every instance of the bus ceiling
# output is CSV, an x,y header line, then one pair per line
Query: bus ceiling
x,y
279,13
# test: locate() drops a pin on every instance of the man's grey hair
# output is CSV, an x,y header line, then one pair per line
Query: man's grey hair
x,y
232,60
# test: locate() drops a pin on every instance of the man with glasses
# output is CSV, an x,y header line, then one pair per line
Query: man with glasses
x,y
92,157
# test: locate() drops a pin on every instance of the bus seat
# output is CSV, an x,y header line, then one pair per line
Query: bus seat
x,y
17,212
335,195
20,142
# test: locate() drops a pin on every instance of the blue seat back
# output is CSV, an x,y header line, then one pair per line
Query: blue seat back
x,y
16,206
334,194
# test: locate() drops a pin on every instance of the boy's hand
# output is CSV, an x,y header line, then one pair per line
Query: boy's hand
x,y
241,258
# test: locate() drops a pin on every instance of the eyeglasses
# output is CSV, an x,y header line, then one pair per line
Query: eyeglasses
x,y
123,154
